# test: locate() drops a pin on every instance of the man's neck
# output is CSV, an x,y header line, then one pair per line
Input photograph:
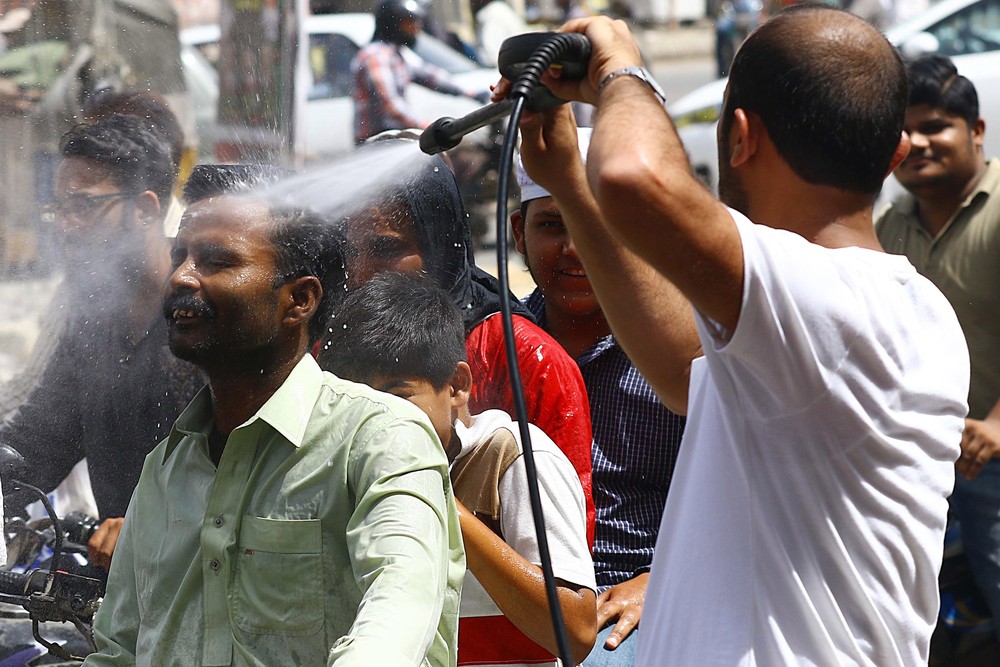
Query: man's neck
x,y
936,207
576,334
239,390
823,215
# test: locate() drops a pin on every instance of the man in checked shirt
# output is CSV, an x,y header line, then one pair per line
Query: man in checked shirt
x,y
636,438
382,72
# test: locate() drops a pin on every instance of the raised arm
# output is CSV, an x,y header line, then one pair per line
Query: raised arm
x,y
651,319
638,172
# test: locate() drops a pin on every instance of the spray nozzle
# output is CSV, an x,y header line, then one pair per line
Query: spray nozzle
x,y
522,59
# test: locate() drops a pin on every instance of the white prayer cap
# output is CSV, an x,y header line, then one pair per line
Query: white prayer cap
x,y
531,190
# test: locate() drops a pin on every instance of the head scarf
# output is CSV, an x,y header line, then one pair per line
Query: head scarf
x,y
442,229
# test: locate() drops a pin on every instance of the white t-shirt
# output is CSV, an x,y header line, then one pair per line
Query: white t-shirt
x,y
806,517
562,505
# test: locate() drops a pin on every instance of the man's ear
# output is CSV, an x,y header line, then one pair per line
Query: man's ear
x,y
517,229
461,386
147,206
979,132
902,150
305,293
744,136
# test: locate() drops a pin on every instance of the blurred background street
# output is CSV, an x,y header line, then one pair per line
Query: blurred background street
x,y
681,57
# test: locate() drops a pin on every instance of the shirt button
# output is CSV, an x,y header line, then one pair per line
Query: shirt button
x,y
219,521
214,564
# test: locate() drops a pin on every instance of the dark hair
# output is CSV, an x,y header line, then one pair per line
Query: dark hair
x,y
832,101
389,16
213,180
305,242
137,158
935,81
308,244
395,326
148,106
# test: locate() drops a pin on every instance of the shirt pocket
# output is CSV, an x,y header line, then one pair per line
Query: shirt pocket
x,y
278,582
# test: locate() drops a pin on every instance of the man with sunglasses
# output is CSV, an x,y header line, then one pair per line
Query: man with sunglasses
x,y
112,388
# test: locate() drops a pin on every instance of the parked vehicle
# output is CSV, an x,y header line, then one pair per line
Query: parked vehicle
x,y
334,39
968,31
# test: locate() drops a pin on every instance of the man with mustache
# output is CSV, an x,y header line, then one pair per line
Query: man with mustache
x,y
111,388
290,517
948,226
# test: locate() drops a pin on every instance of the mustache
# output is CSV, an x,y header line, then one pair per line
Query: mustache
x,y
186,302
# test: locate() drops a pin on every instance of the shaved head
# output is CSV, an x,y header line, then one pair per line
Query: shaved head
x,y
830,90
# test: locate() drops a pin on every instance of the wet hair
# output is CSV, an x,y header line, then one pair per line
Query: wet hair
x,y
935,81
148,106
431,201
136,158
829,89
305,242
213,180
395,326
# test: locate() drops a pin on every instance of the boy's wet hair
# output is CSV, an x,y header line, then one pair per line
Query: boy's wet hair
x,y
395,326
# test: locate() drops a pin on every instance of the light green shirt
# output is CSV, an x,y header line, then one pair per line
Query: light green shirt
x,y
328,534
962,261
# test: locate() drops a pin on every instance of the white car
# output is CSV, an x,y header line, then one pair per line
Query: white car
x,y
334,39
968,31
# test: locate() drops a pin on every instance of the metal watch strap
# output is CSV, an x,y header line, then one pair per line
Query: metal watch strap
x,y
640,73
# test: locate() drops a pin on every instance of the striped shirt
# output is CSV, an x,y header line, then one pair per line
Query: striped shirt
x,y
381,74
636,442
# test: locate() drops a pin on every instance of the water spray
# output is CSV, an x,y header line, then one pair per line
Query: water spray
x,y
523,59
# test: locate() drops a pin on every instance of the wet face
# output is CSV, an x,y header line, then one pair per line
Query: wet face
x,y
94,217
553,261
945,153
221,302
435,403
382,239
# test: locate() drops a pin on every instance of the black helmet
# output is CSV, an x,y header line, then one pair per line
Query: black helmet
x,y
389,17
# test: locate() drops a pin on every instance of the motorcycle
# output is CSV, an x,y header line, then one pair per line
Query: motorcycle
x,y
47,581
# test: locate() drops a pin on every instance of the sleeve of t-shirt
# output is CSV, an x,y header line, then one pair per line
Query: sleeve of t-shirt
x,y
798,319
563,509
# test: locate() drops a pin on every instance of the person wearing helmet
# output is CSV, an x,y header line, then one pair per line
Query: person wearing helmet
x,y
382,73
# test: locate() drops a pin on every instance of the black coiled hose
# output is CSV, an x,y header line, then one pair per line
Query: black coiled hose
x,y
553,49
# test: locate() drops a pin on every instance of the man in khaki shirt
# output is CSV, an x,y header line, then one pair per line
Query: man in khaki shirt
x,y
948,225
